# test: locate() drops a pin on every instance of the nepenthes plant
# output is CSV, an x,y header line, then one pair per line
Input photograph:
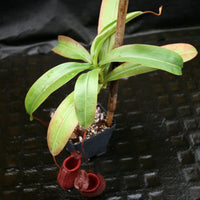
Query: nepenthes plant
x,y
95,73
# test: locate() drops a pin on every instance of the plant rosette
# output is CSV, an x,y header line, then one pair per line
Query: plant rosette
x,y
79,107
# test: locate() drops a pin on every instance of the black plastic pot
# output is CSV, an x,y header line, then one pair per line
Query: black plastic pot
x,y
96,145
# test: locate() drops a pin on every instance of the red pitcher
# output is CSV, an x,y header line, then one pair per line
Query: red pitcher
x,y
96,185
69,170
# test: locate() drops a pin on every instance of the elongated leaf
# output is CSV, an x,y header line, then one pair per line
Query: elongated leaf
x,y
85,97
108,13
51,81
69,48
62,125
99,87
131,16
148,55
108,30
105,33
186,51
126,70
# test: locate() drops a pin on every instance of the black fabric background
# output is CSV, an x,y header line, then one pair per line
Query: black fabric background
x,y
32,23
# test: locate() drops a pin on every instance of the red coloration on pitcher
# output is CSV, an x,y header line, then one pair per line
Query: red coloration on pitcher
x,y
96,185
68,171
81,182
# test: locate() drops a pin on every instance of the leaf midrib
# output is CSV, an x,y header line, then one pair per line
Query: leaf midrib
x,y
77,52
121,72
85,115
59,127
33,104
161,61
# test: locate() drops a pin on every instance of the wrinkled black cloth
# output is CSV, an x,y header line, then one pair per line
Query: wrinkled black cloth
x,y
34,25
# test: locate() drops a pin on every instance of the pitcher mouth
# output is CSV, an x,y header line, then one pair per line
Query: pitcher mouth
x,y
93,183
71,164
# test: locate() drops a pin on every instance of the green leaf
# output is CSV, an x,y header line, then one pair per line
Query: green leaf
x,y
108,13
130,16
62,125
126,70
148,55
105,33
109,29
85,97
99,87
186,51
70,48
51,81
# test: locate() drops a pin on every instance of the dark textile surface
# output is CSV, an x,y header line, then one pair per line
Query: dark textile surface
x,y
34,25
154,153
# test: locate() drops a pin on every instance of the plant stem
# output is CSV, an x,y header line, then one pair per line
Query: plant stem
x,y
119,37
83,151
42,122
54,159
